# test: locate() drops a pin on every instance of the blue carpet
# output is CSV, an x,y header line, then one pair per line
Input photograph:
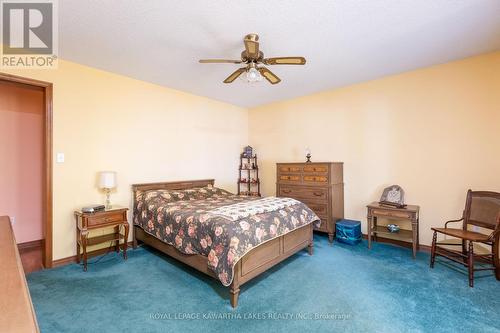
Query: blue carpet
x,y
340,289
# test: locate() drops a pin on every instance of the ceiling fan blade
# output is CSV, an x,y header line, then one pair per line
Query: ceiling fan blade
x,y
235,75
270,76
251,46
285,61
219,61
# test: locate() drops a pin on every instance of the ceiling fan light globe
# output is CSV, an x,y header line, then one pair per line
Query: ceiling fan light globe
x,y
253,75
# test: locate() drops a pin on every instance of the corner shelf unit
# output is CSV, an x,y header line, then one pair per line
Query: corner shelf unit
x,y
248,180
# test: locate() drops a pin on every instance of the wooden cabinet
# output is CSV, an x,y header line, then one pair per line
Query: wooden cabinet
x,y
17,313
113,217
319,185
410,213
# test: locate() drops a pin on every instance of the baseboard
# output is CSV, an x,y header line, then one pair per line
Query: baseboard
x,y
72,259
421,247
31,245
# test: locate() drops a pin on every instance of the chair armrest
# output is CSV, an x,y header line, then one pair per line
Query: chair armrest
x,y
452,221
495,232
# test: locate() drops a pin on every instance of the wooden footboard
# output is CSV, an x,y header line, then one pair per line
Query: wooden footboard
x,y
255,262
268,254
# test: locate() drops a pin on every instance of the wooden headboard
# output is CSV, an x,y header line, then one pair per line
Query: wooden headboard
x,y
179,185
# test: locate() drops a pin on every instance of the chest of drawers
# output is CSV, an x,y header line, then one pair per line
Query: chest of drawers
x,y
320,185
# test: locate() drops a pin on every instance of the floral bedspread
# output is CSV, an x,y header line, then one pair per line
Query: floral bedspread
x,y
217,224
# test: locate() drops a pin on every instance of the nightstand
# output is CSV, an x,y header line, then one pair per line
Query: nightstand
x,y
409,213
114,217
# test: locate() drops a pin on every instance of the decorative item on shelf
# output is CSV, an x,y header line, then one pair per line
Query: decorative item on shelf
x,y
308,155
248,180
393,227
393,196
248,152
107,182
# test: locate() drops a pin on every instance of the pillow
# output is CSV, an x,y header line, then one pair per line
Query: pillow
x,y
198,193
211,191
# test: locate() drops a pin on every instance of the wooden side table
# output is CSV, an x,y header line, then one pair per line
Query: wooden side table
x,y
409,213
114,217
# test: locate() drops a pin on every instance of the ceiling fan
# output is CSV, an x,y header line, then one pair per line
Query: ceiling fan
x,y
254,60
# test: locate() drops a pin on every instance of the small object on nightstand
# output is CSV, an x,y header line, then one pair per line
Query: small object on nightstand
x,y
393,196
115,217
93,208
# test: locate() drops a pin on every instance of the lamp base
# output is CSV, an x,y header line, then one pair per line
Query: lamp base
x,y
108,201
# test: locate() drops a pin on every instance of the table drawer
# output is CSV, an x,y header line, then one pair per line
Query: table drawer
x,y
317,179
290,178
316,168
289,168
388,213
321,209
100,220
318,194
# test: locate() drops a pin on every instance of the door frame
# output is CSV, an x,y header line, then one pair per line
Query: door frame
x,y
47,161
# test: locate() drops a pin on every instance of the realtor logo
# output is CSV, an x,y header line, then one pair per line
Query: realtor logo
x,y
29,33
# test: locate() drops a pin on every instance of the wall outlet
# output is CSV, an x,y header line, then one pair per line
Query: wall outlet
x,y
12,220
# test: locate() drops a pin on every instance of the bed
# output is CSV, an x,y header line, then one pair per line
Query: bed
x,y
228,237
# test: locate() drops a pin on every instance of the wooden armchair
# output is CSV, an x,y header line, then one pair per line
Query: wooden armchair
x,y
482,209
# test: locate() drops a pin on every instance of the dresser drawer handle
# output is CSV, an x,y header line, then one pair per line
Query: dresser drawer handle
x,y
318,194
287,191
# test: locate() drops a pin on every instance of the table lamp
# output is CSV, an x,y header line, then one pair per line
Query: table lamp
x,y
107,182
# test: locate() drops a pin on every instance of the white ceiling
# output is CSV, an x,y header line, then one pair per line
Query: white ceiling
x,y
344,41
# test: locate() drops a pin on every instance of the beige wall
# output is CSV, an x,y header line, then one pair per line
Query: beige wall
x,y
144,132
435,132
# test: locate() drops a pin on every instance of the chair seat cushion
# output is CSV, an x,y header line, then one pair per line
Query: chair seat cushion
x,y
464,234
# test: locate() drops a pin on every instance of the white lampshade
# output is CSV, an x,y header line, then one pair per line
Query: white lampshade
x,y
107,179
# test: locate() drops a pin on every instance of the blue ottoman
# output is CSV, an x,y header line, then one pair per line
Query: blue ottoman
x,y
348,231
